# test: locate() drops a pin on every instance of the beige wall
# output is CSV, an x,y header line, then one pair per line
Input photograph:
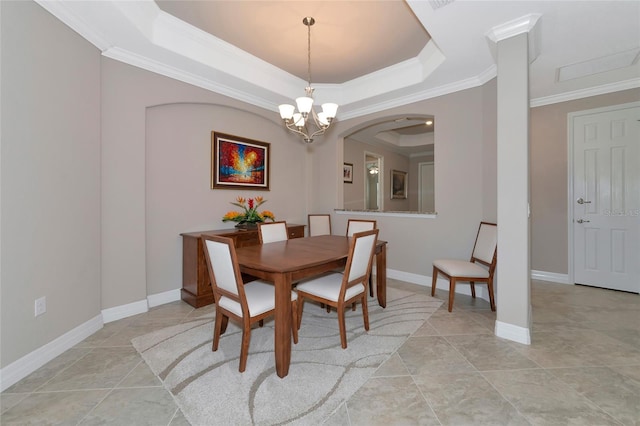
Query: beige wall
x,y
50,170
549,181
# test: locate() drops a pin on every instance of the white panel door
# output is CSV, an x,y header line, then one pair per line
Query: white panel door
x,y
606,189
426,185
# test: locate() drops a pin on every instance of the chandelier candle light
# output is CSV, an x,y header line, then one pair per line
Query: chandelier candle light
x,y
298,122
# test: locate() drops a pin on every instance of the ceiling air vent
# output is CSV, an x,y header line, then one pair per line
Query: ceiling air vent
x,y
437,4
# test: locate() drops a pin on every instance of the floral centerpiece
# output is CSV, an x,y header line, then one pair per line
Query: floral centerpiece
x,y
249,216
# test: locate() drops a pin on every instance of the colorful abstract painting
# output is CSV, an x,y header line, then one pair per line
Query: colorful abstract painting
x,y
239,162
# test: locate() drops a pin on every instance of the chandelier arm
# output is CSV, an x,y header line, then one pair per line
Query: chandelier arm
x,y
318,132
319,125
291,126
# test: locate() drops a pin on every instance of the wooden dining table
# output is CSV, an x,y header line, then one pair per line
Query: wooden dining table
x,y
286,262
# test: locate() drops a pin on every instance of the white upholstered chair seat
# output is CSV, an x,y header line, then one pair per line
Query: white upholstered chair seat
x,y
260,299
461,268
479,268
328,287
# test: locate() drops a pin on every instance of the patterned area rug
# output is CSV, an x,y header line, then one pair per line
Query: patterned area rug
x,y
210,391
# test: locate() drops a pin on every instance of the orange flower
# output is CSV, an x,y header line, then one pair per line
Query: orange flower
x,y
231,216
266,214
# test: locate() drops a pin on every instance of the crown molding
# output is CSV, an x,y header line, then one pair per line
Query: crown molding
x,y
524,25
179,74
512,28
421,95
585,93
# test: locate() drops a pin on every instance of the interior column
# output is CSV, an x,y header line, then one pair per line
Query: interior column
x,y
513,272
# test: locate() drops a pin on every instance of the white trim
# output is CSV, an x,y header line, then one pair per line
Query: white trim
x,y
416,215
585,93
409,277
513,332
551,277
158,299
29,363
420,95
178,74
124,311
513,28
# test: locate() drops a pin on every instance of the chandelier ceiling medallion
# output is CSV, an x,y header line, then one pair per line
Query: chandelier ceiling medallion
x,y
298,122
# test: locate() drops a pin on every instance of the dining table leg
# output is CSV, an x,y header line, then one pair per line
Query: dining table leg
x,y
282,337
381,275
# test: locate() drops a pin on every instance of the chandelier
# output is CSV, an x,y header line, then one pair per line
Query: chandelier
x,y
299,122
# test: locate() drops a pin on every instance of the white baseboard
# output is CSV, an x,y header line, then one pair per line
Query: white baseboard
x,y
29,363
513,332
409,277
163,298
124,311
140,307
550,276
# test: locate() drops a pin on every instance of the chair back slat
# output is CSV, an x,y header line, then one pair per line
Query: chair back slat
x,y
358,225
486,242
319,224
272,232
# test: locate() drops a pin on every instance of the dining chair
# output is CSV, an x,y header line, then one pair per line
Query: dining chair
x,y
319,224
272,232
343,290
359,225
479,268
246,303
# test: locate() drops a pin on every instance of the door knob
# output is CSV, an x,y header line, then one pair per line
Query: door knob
x,y
582,221
581,201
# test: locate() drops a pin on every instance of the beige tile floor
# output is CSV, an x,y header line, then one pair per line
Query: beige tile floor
x,y
582,368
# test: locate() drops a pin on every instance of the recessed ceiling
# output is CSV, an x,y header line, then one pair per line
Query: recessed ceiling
x,y
349,38
408,136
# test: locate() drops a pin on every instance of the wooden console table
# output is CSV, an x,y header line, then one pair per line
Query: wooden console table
x,y
196,286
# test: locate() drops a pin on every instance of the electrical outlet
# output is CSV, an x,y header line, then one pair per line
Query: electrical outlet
x,y
41,306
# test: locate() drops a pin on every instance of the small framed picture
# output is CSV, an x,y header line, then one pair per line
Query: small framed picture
x,y
239,163
347,173
398,185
